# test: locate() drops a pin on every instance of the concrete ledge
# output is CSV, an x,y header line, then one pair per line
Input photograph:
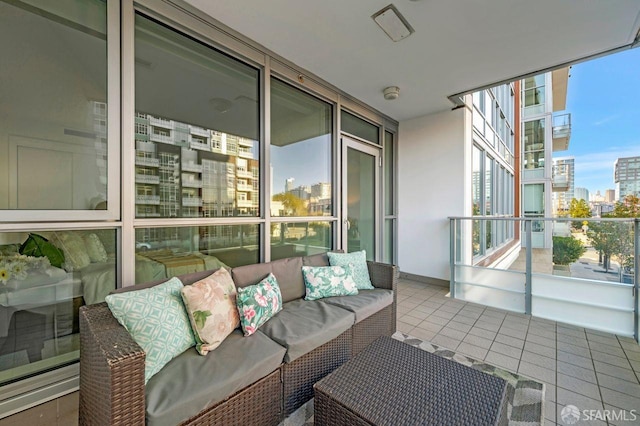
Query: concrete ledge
x,y
422,279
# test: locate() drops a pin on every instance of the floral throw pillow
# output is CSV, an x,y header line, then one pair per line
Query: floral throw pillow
x,y
211,305
327,281
358,260
258,303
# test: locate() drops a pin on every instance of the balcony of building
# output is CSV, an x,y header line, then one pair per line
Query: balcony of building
x,y
144,160
561,131
191,167
191,201
245,153
148,199
161,122
560,178
199,131
199,145
156,137
150,179
191,182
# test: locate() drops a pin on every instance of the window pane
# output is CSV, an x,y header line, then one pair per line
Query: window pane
x,y
196,131
301,136
40,295
534,144
359,127
53,142
166,252
389,173
300,239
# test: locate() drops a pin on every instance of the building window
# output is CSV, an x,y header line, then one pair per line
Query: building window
x,y
534,136
533,95
188,136
40,295
301,139
54,154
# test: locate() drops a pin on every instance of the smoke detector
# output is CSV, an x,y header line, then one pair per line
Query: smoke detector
x,y
391,93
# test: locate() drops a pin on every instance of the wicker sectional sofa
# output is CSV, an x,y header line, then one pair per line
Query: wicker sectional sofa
x,y
259,379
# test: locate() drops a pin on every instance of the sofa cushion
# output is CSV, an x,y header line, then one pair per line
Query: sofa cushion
x,y
364,304
157,321
358,260
288,272
321,259
190,382
326,281
211,305
303,325
258,303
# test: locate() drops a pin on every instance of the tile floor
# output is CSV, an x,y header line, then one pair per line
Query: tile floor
x,y
589,369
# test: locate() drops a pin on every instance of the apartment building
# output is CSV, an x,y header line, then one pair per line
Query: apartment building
x,y
564,178
582,194
626,175
546,129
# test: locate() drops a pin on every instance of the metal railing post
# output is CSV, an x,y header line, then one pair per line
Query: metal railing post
x,y
636,281
452,257
528,262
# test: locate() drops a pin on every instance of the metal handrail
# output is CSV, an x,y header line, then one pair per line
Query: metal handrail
x,y
554,219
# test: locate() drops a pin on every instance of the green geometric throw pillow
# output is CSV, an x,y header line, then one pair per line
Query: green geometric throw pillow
x,y
328,281
157,321
358,260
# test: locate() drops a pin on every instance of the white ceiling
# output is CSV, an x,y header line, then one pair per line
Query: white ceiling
x,y
458,45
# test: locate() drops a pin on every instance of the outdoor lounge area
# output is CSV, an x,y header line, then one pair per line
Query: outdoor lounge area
x,y
580,367
151,150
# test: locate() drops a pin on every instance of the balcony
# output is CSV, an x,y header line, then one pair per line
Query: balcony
x,y
151,179
147,161
243,153
585,287
192,201
560,180
161,122
192,183
244,187
199,146
244,174
148,199
192,167
161,138
561,131
572,361
199,131
245,203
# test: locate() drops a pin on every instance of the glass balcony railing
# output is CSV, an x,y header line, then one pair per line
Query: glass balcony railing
x,y
585,275
561,131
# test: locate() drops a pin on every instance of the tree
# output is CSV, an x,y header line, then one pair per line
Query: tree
x,y
628,207
579,208
612,239
294,206
567,250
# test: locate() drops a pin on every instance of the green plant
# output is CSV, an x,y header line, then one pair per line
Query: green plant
x,y
567,250
38,246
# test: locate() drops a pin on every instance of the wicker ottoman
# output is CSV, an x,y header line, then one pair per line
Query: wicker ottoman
x,y
392,383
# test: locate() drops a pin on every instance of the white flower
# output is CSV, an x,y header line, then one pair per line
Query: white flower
x,y
5,275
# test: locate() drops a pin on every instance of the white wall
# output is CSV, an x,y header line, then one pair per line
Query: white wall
x,y
434,183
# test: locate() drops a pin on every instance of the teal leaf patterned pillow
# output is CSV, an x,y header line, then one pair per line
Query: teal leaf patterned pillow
x,y
358,260
157,321
258,303
327,281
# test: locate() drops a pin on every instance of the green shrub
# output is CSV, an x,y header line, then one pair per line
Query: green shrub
x,y
567,250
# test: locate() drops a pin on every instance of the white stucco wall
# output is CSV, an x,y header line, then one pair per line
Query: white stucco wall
x,y
433,184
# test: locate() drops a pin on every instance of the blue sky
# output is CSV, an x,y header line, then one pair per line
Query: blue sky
x,y
604,101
